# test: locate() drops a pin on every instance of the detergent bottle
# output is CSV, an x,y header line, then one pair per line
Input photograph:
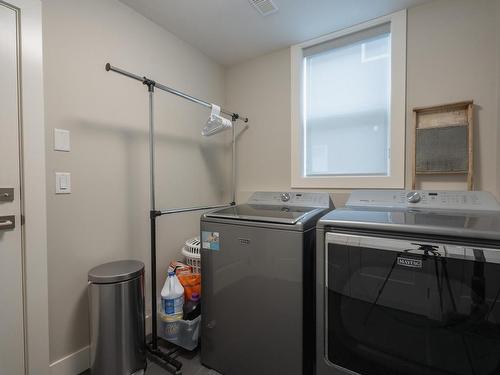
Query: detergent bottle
x,y
192,308
172,296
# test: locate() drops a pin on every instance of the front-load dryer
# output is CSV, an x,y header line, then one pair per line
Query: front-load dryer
x,y
408,282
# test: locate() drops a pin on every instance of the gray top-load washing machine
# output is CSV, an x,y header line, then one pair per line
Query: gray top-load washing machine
x,y
258,284
408,282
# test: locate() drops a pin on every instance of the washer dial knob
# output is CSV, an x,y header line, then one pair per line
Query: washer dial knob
x,y
285,197
413,197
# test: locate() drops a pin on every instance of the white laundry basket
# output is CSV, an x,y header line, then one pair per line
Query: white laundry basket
x,y
191,251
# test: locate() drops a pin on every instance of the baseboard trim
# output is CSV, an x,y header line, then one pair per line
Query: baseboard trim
x,y
79,361
73,364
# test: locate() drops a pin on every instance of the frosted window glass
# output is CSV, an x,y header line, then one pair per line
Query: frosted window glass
x,y
347,108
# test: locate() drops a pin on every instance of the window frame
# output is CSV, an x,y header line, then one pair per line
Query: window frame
x,y
397,152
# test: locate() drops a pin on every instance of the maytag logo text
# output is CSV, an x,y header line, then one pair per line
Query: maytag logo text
x,y
410,262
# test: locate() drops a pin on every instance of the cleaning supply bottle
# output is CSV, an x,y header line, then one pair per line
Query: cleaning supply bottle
x,y
192,308
172,296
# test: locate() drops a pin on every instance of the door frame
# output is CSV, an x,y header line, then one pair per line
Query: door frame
x,y
33,187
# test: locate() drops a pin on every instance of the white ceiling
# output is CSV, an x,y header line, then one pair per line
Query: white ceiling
x,y
230,31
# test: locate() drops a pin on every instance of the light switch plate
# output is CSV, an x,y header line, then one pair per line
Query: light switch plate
x,y
62,140
63,183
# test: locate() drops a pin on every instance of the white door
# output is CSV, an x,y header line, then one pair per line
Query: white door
x,y
11,252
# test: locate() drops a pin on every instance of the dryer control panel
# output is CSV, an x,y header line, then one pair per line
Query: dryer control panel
x,y
293,199
424,199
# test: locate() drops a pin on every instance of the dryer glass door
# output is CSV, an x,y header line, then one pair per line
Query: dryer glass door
x,y
411,307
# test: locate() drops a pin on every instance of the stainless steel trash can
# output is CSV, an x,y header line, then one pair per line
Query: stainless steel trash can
x,y
117,318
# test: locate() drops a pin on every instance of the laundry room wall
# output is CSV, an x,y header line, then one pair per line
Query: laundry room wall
x,y
452,54
105,217
498,97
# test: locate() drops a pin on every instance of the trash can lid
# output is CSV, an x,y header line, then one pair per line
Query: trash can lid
x,y
115,272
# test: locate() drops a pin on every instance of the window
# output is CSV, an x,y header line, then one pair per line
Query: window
x,y
348,107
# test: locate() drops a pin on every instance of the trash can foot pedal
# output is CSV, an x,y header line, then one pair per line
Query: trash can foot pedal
x,y
164,360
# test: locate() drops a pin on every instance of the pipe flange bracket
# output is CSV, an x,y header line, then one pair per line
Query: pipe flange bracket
x,y
150,83
154,214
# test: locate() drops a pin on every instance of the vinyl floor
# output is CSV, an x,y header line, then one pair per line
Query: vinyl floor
x,y
191,365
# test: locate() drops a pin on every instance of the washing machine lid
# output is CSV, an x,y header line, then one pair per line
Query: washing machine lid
x,y
264,213
277,207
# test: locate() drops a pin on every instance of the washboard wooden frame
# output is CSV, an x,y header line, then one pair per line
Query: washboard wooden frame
x,y
443,142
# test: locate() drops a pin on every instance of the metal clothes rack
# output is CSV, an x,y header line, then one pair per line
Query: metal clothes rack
x,y
162,358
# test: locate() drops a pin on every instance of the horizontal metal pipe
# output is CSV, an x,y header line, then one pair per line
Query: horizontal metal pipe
x,y
182,95
191,209
123,72
194,100
172,91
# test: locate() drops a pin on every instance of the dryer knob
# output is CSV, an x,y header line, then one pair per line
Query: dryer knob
x,y
413,197
285,197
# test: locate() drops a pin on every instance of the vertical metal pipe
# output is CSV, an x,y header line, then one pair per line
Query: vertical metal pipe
x,y
151,150
154,322
154,309
233,162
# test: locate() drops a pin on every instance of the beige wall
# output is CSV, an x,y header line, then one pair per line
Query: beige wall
x,y
498,97
106,216
451,56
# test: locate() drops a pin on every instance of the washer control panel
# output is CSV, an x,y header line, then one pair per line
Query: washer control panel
x,y
295,199
285,197
414,197
424,199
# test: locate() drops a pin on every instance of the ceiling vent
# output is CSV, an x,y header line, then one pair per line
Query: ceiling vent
x,y
265,7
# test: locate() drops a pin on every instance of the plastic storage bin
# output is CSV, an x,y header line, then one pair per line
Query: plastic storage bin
x,y
183,333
